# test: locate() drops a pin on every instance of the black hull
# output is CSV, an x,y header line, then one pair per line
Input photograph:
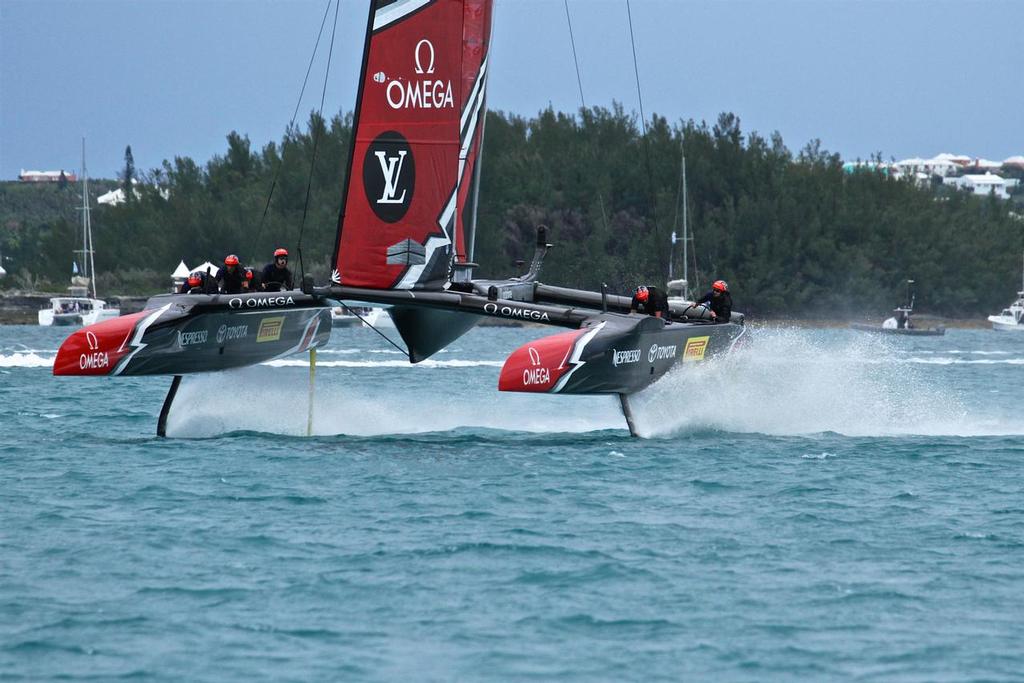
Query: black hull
x,y
426,331
181,334
615,355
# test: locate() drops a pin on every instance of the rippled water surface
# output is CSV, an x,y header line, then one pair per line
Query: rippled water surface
x,y
821,505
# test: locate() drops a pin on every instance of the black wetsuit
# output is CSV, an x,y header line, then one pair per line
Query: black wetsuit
x,y
230,282
207,285
272,274
720,303
657,302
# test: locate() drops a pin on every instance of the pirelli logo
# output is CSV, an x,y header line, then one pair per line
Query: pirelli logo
x,y
270,329
695,348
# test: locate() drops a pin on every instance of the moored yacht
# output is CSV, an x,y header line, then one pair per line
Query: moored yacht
x,y
78,308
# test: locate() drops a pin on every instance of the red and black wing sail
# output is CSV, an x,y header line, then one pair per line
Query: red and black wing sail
x,y
418,129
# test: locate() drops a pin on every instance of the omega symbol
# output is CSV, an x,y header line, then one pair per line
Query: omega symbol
x,y
419,63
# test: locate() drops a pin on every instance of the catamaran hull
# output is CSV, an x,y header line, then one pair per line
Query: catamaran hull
x,y
184,334
616,355
48,318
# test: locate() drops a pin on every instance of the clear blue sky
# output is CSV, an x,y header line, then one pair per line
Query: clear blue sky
x,y
173,77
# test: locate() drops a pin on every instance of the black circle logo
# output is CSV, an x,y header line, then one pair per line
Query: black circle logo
x,y
389,176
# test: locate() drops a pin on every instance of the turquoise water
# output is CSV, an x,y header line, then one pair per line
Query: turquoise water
x,y
819,506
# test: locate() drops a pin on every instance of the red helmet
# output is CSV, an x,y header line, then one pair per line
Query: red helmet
x,y
194,279
280,252
230,260
248,274
641,293
720,286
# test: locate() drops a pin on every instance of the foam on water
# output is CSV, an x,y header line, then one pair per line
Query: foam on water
x,y
26,359
786,382
465,396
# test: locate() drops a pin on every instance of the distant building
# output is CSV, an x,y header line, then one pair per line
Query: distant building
x,y
943,165
45,176
988,183
859,166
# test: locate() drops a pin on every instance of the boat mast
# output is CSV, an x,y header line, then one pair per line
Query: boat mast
x,y
88,262
88,223
686,276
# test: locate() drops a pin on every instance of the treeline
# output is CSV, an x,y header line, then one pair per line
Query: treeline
x,y
792,233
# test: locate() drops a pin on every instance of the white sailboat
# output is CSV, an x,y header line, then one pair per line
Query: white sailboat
x,y
78,308
1010,318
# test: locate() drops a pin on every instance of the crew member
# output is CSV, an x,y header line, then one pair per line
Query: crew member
x,y
231,278
276,275
718,301
198,282
649,300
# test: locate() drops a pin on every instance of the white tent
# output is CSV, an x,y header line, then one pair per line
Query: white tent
x,y
207,268
181,272
114,197
2,271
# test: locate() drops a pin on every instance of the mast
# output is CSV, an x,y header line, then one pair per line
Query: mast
x,y
686,276
87,225
88,262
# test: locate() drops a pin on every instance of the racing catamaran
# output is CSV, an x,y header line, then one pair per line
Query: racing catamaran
x,y
405,240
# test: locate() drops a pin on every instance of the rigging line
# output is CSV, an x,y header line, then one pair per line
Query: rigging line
x,y
575,60
368,324
316,138
298,103
636,72
643,125
583,105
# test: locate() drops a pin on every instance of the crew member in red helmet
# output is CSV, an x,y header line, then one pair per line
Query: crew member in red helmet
x,y
719,301
276,276
198,282
650,301
231,278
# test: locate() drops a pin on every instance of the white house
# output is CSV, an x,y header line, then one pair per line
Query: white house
x,y
989,183
944,165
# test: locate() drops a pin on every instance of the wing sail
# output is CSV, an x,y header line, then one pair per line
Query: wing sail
x,y
417,134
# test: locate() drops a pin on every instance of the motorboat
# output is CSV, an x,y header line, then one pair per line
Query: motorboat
x,y
378,317
344,317
1010,319
901,323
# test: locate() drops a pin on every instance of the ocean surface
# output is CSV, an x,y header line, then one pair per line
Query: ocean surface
x,y
821,505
